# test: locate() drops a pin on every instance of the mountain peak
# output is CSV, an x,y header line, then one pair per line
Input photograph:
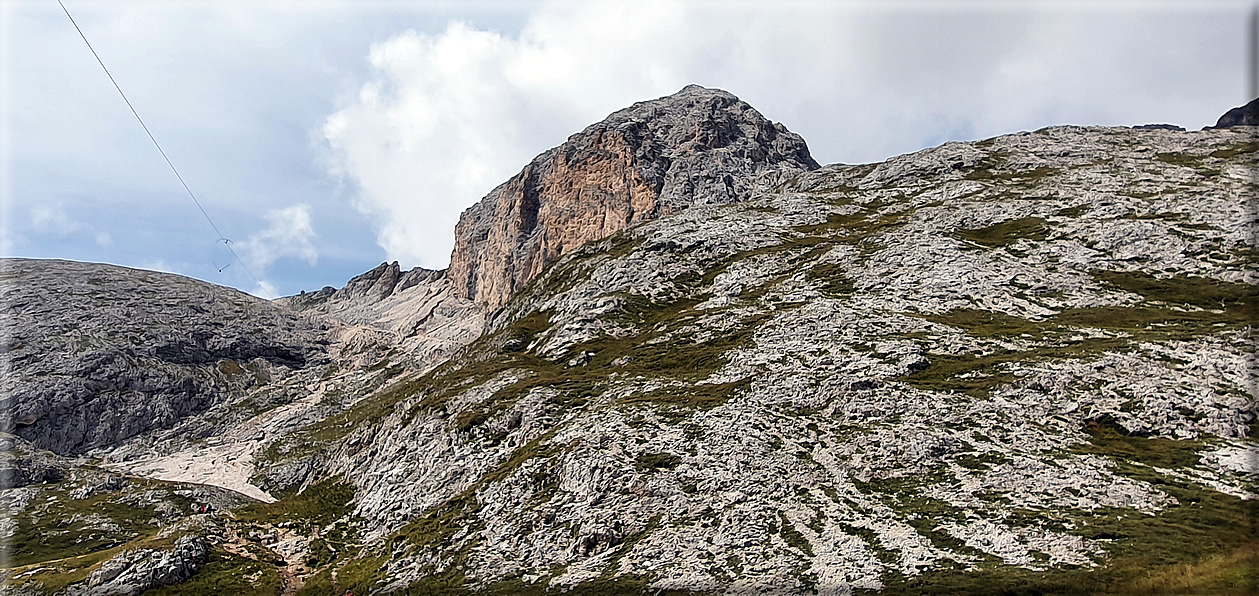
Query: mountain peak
x,y
698,146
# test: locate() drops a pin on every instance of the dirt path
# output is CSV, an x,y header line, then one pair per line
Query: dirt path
x,y
286,544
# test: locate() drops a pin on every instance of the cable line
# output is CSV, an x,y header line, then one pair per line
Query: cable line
x,y
223,238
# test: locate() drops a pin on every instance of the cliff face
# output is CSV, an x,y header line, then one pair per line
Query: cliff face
x,y
696,147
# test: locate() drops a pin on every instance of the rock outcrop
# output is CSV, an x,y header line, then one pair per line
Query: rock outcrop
x,y
21,465
696,147
137,571
98,353
1247,115
386,280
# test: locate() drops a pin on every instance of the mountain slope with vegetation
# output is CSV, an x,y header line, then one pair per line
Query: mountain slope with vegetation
x,y
1017,365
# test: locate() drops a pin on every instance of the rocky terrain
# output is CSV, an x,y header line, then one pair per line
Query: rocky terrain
x,y
1016,365
414,313
99,354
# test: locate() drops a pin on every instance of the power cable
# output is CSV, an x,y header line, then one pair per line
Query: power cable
x,y
222,238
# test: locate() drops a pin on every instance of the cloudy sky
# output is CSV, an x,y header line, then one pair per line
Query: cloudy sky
x,y
325,137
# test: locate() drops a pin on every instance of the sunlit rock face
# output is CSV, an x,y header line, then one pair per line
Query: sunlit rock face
x,y
697,147
861,377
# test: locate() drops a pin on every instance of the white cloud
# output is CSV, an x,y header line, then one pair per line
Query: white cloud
x,y
53,220
265,290
159,265
429,121
444,117
289,234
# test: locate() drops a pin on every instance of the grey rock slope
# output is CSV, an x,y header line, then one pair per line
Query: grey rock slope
x,y
696,147
1018,365
1026,359
121,534
98,354
412,314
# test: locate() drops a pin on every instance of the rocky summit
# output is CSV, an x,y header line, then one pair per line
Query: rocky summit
x,y
696,147
675,355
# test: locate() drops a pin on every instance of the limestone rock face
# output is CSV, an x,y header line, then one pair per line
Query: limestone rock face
x,y
696,147
100,353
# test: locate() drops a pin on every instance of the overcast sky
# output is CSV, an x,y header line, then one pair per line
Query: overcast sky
x,y
325,137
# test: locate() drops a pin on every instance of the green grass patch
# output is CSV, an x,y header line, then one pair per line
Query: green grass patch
x,y
987,323
227,573
1160,216
319,505
1075,211
976,375
649,462
680,401
982,461
1187,160
1235,150
987,170
54,526
358,575
1006,232
984,169
855,228
1106,438
1202,545
792,536
830,279
1202,292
